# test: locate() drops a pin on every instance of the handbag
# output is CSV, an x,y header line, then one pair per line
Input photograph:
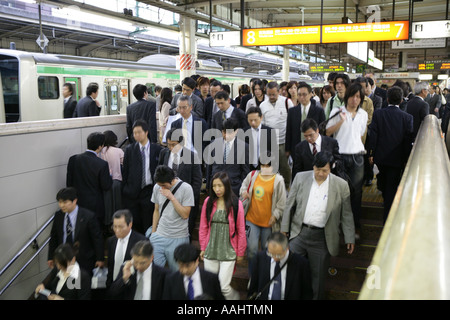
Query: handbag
x,y
323,124
246,201
99,276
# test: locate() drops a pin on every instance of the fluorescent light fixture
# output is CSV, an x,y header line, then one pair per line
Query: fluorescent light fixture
x,y
425,76
442,76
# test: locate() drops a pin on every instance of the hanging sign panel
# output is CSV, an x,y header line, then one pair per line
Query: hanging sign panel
x,y
358,32
334,33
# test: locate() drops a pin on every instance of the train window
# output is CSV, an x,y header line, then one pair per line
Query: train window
x,y
9,76
48,87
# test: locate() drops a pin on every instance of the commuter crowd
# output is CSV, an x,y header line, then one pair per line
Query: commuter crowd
x,y
284,165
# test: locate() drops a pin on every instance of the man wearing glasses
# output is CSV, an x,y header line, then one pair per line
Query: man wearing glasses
x,y
280,274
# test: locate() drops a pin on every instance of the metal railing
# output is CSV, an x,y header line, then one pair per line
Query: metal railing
x,y
413,254
31,243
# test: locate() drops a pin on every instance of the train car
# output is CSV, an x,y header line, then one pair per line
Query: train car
x,y
31,83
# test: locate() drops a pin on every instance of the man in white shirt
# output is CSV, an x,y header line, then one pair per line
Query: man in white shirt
x,y
322,205
140,278
275,112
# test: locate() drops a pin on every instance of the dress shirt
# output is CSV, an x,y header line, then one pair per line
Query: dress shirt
x,y
74,273
73,221
229,111
171,158
196,283
189,125
67,99
318,144
283,275
147,285
119,255
275,116
148,176
316,208
256,135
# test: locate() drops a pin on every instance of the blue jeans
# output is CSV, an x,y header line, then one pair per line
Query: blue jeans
x,y
354,167
163,249
254,235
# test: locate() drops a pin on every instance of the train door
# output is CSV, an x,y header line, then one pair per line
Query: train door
x,y
9,72
116,95
2,104
76,83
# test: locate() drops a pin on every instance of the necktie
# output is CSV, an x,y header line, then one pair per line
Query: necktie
x,y
139,287
185,132
226,152
314,152
223,116
175,162
190,291
143,184
69,231
118,258
276,291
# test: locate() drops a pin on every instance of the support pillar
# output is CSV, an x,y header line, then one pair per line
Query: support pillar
x,y
285,64
188,47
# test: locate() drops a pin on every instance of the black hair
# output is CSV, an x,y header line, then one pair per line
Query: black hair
x,y
394,95
91,88
309,123
322,158
226,88
142,248
222,95
164,174
353,89
68,193
254,110
191,83
215,83
110,138
170,134
124,213
230,123
186,253
303,84
139,91
141,123
95,140
69,86
64,254
166,95
331,76
261,85
342,76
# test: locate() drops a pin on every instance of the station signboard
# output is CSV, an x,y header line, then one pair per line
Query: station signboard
x,y
431,29
326,67
434,65
334,33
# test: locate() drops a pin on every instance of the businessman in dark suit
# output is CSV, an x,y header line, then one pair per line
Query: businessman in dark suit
x,y
226,111
210,106
120,244
142,109
70,103
305,151
259,137
306,109
186,166
188,86
229,154
295,277
195,127
417,107
89,175
139,165
78,227
88,106
390,143
434,101
190,282
138,274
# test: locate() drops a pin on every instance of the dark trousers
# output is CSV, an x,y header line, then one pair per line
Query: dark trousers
x,y
354,167
387,182
141,209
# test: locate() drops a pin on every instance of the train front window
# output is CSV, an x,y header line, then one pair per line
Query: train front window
x,y
48,87
9,70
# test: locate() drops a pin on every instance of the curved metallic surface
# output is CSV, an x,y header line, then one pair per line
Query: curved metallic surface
x,y
413,253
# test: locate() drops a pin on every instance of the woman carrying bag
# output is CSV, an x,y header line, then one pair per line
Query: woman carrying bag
x,y
264,194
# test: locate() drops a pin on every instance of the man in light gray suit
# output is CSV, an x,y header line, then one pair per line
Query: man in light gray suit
x,y
320,203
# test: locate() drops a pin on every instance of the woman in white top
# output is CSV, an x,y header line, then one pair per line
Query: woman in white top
x,y
166,99
348,128
114,156
67,281
292,93
259,94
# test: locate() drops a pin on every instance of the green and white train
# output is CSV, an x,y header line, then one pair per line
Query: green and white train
x,y
31,83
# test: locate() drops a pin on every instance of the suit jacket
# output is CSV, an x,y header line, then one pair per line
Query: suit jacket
x,y
145,110
132,168
238,114
303,158
86,107
208,108
391,136
174,286
178,124
339,210
197,104
377,101
265,142
69,107
383,95
419,109
126,291
237,167
434,102
111,246
90,176
188,172
294,121
83,292
298,277
87,233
